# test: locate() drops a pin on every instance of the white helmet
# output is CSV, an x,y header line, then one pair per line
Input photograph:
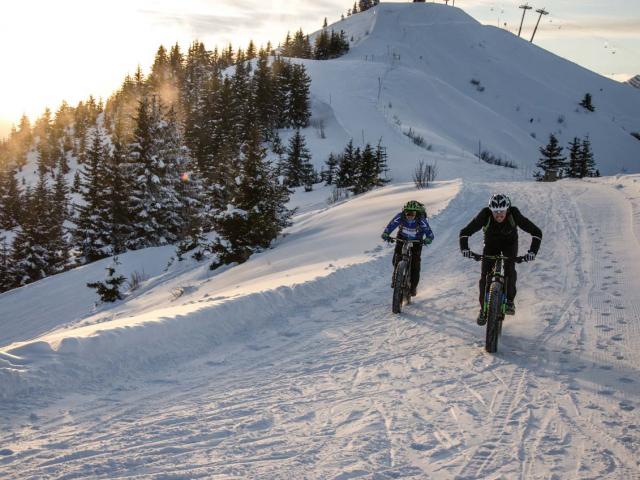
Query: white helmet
x,y
499,202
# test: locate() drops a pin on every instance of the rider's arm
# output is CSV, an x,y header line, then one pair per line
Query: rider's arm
x,y
528,226
426,229
393,224
474,226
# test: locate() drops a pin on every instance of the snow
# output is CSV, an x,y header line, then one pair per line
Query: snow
x,y
292,365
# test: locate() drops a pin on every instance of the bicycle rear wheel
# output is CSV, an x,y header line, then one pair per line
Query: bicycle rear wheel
x,y
398,289
494,317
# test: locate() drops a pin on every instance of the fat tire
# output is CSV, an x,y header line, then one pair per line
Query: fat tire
x,y
398,289
494,316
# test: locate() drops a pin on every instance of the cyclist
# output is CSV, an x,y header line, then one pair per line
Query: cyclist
x,y
413,225
500,221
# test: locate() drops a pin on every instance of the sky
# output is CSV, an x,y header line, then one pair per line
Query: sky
x,y
70,49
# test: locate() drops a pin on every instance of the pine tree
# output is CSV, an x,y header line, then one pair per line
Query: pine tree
x,y
92,230
381,168
321,47
364,5
586,102
30,253
332,169
145,169
176,163
282,73
109,290
6,278
552,162
257,213
263,92
58,245
251,53
338,44
160,71
243,108
346,167
299,106
573,167
586,161
176,66
297,169
22,141
117,188
10,199
365,170
277,147
197,89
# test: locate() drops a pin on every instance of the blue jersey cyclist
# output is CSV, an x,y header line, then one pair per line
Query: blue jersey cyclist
x,y
413,225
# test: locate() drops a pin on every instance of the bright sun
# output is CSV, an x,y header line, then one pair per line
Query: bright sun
x,y
66,50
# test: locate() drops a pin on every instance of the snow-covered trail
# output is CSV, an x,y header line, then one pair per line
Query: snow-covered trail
x,y
342,388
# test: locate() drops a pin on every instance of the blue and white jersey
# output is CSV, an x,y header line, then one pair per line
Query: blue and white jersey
x,y
415,229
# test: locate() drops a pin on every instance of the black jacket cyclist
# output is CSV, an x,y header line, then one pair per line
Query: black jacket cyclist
x,y
500,222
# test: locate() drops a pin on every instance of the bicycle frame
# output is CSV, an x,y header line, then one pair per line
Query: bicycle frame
x,y
496,275
492,310
401,279
407,250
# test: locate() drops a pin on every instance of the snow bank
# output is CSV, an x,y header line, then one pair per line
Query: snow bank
x,y
322,256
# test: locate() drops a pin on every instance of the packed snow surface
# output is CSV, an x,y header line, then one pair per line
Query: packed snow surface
x,y
292,364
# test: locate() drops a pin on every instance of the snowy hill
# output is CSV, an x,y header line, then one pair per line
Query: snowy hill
x,y
292,364
412,66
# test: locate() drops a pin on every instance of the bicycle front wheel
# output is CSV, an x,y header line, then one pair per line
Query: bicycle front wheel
x,y
494,317
398,289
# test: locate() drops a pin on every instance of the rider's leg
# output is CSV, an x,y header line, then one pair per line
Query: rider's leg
x,y
415,265
511,250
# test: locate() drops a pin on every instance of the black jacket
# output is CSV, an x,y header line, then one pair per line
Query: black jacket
x,y
506,232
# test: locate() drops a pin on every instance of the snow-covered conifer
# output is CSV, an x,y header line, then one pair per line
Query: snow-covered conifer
x,y
296,168
109,290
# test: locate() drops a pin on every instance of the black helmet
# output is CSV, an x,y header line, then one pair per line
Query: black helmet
x,y
499,202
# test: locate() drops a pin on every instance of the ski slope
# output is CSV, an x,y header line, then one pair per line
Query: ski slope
x,y
292,364
318,379
412,66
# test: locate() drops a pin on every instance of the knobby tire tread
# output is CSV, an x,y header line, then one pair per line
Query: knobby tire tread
x,y
493,317
398,290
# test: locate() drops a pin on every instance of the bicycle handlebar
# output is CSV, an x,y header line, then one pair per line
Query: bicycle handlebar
x,y
394,239
477,257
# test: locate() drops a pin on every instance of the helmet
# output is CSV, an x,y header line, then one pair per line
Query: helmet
x,y
414,206
499,202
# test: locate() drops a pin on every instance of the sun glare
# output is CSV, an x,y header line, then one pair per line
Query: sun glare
x,y
69,49
66,50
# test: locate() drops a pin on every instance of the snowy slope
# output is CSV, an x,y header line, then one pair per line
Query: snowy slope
x,y
424,58
318,379
292,364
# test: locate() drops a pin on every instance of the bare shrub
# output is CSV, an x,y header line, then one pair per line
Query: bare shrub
x,y
488,157
318,124
136,279
425,174
417,139
337,194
